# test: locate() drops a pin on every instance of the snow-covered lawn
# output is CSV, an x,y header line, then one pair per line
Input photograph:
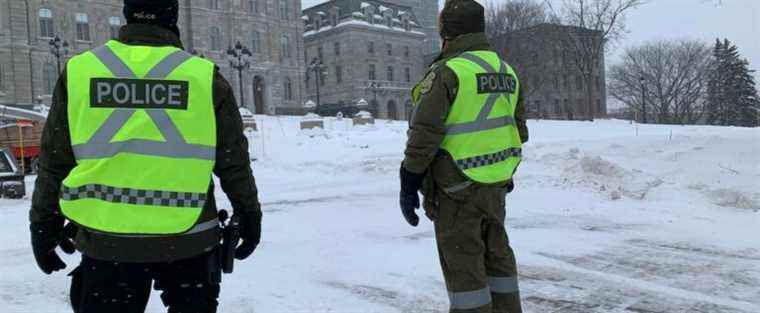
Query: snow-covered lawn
x,y
606,217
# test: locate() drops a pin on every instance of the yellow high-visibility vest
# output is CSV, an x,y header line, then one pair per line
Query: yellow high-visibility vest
x,y
143,130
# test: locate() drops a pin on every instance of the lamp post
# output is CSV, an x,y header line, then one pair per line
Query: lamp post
x,y
317,69
643,101
240,59
59,48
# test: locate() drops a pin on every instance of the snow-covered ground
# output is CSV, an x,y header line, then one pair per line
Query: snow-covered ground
x,y
606,217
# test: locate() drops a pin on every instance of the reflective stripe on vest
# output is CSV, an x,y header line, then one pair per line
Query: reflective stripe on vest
x,y
481,134
135,196
175,146
145,151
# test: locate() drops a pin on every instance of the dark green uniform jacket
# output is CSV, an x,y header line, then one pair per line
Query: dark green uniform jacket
x,y
426,128
232,167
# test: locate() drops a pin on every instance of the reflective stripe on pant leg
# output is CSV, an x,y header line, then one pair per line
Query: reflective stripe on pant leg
x,y
503,284
470,299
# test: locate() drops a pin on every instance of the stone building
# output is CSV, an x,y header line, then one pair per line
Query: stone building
x,y
370,50
271,29
553,84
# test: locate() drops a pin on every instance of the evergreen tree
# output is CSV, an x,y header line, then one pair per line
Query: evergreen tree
x,y
732,94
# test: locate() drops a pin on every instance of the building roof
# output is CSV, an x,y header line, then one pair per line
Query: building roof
x,y
348,7
354,12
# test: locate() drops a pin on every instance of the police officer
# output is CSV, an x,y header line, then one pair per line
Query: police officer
x,y
136,129
464,145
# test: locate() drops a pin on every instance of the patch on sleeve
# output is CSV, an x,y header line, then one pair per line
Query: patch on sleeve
x,y
427,83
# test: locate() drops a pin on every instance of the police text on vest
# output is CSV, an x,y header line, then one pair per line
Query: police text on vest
x,y
138,93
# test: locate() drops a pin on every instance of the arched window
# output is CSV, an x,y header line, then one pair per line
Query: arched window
x,y
83,27
284,9
255,42
49,76
389,73
284,47
46,23
114,23
288,85
215,39
253,7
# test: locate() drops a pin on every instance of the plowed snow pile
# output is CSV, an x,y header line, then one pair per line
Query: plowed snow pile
x,y
608,178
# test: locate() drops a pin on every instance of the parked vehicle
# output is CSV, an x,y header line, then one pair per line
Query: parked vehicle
x,y
11,179
21,139
20,134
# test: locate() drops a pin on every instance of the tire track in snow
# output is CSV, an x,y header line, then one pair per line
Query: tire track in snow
x,y
552,261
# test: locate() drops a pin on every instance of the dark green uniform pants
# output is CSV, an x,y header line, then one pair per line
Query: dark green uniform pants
x,y
478,263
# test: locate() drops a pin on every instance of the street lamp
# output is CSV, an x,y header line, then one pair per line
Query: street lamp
x,y
240,59
317,69
59,48
643,101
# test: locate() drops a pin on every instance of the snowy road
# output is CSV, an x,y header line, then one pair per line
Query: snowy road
x,y
605,218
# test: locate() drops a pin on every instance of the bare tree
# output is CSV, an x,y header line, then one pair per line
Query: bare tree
x,y
503,17
670,76
598,24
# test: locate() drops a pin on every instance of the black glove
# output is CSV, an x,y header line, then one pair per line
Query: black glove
x,y
250,233
409,199
48,235
510,186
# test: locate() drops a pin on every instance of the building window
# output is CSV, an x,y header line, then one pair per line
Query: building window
x,y
213,4
46,23
253,7
372,72
371,48
579,82
114,23
337,48
83,27
406,51
215,36
565,83
600,108
288,89
597,82
255,42
338,74
284,9
407,75
557,108
389,73
49,75
284,47
320,53
389,48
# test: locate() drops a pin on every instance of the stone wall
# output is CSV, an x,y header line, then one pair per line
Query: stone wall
x,y
27,67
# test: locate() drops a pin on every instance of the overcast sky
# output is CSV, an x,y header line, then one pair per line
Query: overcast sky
x,y
706,20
